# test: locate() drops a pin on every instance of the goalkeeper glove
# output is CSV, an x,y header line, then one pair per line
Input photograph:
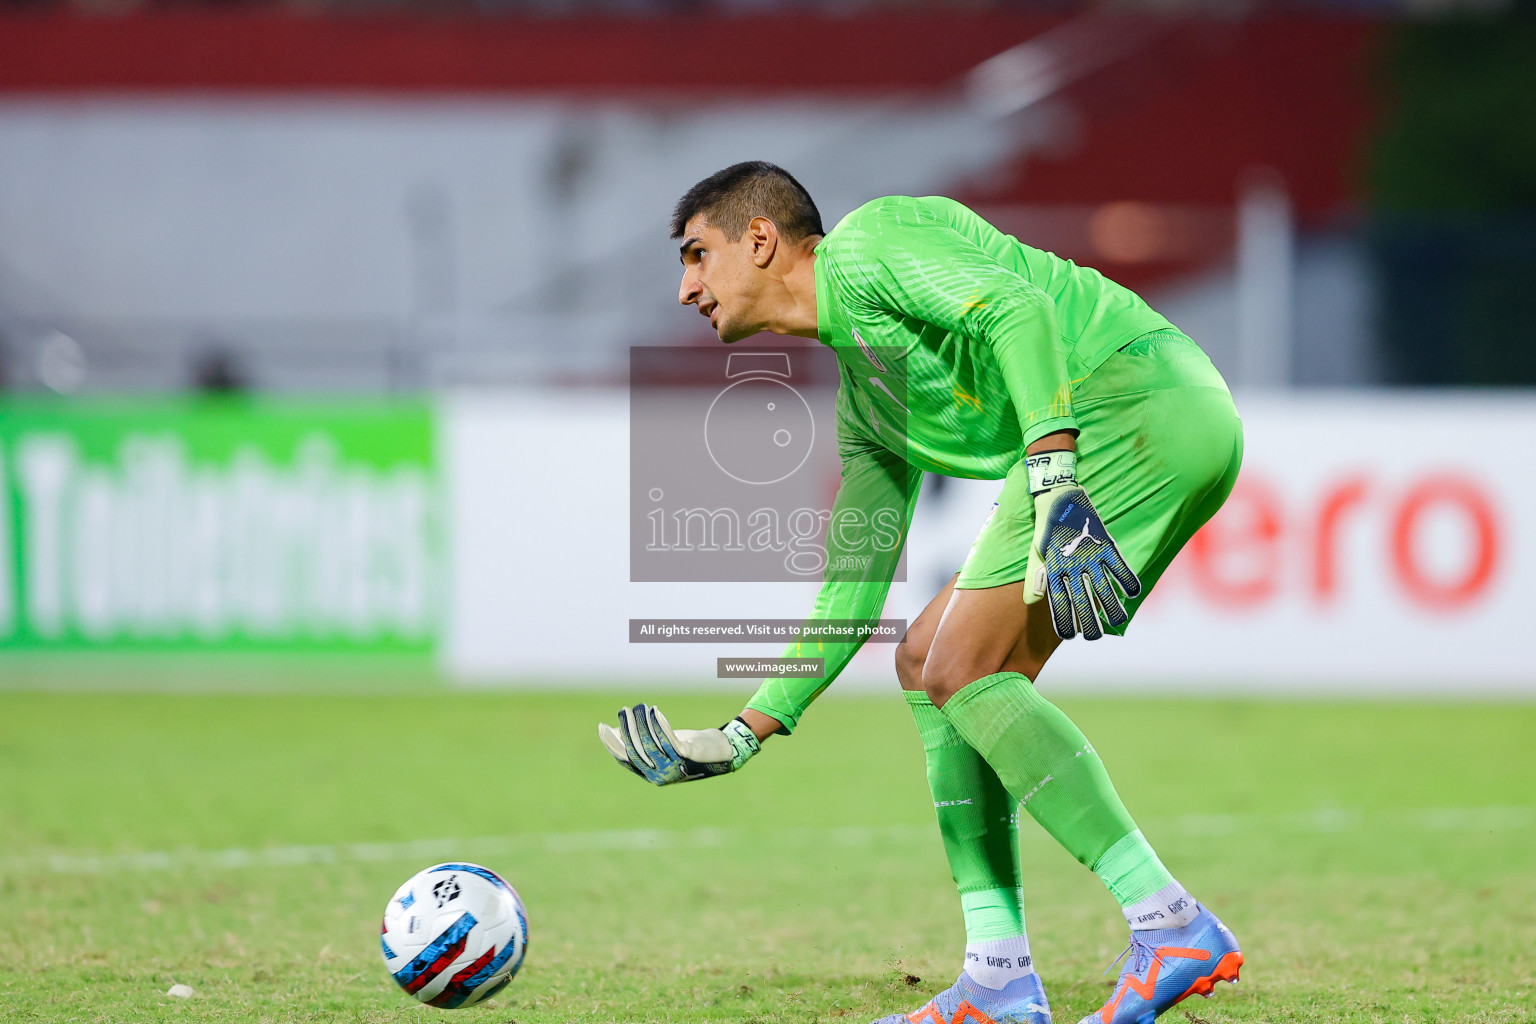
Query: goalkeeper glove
x,y
1073,557
647,745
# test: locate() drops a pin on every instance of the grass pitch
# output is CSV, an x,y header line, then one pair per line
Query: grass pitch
x,y
1377,861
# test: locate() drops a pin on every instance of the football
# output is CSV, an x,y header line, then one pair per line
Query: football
x,y
454,935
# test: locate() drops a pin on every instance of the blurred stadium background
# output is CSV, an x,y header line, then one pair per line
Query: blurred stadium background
x,y
406,248
315,320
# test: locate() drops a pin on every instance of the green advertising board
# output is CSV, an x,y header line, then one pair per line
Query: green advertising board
x,y
218,524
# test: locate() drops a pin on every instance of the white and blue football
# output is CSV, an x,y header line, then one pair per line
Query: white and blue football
x,y
454,934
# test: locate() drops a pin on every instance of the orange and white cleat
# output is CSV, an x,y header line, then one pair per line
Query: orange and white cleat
x,y
1168,965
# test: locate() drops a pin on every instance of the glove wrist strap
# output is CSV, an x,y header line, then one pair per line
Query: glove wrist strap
x,y
1049,470
744,741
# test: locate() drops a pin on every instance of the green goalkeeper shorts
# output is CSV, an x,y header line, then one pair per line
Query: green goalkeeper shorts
x,y
1158,452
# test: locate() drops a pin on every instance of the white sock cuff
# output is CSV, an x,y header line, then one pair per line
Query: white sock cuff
x,y
996,962
1170,907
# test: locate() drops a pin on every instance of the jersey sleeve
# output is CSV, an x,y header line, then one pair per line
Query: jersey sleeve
x,y
865,535
902,259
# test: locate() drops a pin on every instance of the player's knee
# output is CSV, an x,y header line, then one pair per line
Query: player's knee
x,y
942,679
910,658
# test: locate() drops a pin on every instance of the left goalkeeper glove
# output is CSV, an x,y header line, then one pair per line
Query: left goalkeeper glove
x,y
1073,557
647,745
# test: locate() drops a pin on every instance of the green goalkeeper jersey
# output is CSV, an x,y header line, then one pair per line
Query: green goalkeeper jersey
x,y
958,346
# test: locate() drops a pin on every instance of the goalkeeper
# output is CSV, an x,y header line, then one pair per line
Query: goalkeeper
x,y
966,353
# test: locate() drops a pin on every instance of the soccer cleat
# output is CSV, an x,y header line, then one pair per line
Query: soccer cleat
x,y
1167,965
1021,1001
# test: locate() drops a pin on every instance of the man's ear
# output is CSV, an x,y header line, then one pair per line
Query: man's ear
x,y
763,235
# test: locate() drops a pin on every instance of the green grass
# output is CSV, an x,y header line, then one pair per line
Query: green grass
x,y
1378,861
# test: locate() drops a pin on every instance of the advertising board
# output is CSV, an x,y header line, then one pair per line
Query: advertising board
x,y
1375,544
213,523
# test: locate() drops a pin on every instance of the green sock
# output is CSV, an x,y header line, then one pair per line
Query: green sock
x,y
1045,761
1132,870
976,819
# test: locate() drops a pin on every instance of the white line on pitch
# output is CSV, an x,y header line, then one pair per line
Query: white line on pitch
x,y
1441,819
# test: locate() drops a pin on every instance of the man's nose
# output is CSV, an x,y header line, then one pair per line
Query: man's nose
x,y
688,291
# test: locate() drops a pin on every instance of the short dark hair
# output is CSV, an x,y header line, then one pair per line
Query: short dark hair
x,y
729,199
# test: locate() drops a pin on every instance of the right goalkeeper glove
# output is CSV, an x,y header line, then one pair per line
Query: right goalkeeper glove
x,y
646,744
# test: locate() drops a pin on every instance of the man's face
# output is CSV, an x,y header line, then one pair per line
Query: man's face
x,y
722,278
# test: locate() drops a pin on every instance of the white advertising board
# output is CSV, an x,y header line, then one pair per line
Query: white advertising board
x,y
1376,543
